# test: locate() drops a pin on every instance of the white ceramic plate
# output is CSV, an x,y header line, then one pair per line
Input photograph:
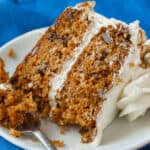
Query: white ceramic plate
x,y
119,135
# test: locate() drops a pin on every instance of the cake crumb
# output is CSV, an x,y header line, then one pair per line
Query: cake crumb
x,y
35,139
63,130
57,143
87,4
120,80
132,65
15,133
10,53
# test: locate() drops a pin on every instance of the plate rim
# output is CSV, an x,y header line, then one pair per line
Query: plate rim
x,y
21,36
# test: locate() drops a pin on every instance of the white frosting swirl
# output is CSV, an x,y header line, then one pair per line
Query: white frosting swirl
x,y
135,99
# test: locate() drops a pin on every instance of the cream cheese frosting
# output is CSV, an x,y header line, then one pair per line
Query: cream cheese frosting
x,y
135,99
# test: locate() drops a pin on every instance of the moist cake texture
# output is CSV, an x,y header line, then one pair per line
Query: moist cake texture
x,y
13,103
76,72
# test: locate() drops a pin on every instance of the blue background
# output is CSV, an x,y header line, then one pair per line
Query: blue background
x,y
20,16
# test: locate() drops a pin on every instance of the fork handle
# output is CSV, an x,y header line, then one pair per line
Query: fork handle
x,y
44,140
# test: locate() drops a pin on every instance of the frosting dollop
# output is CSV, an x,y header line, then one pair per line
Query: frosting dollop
x,y
135,99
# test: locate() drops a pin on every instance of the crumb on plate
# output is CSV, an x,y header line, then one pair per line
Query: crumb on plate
x,y
58,143
63,130
132,65
35,139
15,133
10,53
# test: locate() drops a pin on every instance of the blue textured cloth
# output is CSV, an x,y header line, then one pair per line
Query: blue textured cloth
x,y
20,16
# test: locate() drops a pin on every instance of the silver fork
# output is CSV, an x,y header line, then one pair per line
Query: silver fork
x,y
32,125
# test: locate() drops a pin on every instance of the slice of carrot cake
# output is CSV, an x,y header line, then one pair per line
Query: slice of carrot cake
x,y
76,72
